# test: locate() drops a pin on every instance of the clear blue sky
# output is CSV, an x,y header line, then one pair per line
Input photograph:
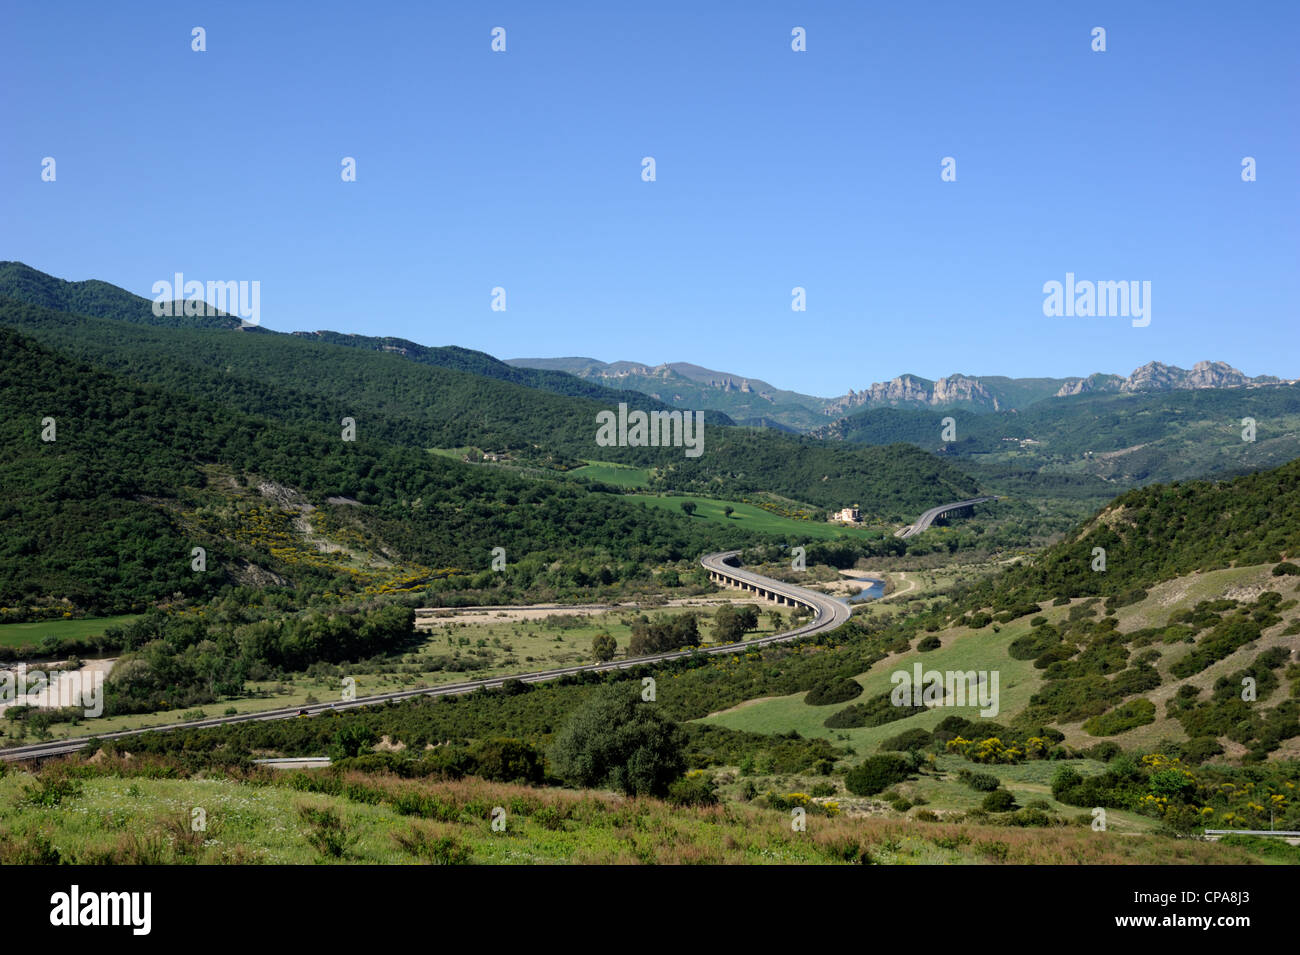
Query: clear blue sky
x,y
775,169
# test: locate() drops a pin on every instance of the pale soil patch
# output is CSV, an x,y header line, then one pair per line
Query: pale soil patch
x,y
302,524
64,686
852,583
1108,455
1290,749
865,808
250,574
1247,594
1231,749
1174,594
442,616
911,585
285,497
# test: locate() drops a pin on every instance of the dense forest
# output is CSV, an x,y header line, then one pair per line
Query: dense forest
x,y
449,398
98,299
102,514
1163,531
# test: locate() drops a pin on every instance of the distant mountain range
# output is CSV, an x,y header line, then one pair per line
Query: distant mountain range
x,y
753,401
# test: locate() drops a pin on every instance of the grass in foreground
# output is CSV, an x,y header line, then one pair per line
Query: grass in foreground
x,y
122,813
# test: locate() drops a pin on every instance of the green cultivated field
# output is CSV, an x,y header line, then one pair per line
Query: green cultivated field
x,y
621,475
753,518
31,634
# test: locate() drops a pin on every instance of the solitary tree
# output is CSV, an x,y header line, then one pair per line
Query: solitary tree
x,y
663,633
614,740
731,623
688,507
728,510
603,647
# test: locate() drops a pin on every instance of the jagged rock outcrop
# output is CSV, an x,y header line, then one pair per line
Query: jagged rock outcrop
x,y
1090,385
960,389
910,390
991,393
1156,376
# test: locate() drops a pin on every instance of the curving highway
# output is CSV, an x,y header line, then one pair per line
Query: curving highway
x,y
828,613
925,520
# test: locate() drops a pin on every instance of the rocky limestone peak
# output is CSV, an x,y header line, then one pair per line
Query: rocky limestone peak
x,y
1156,376
961,389
1215,374
1153,376
1093,383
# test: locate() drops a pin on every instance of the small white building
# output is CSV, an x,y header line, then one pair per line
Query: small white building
x,y
848,515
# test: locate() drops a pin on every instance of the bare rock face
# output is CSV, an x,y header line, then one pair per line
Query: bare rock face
x,y
910,390
905,389
1215,374
1090,385
1156,376
959,389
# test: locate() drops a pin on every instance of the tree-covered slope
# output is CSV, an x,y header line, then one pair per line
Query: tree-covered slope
x,y
98,299
309,383
105,515
1124,439
1163,531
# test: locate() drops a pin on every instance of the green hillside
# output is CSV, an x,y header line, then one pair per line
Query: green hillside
x,y
1163,531
1124,440
305,382
105,515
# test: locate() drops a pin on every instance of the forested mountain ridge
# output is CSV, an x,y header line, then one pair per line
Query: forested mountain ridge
x,y
480,363
747,401
1125,439
94,298
1162,531
751,400
97,299
102,503
307,382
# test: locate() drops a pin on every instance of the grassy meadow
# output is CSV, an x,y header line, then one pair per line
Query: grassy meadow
x,y
121,812
33,632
